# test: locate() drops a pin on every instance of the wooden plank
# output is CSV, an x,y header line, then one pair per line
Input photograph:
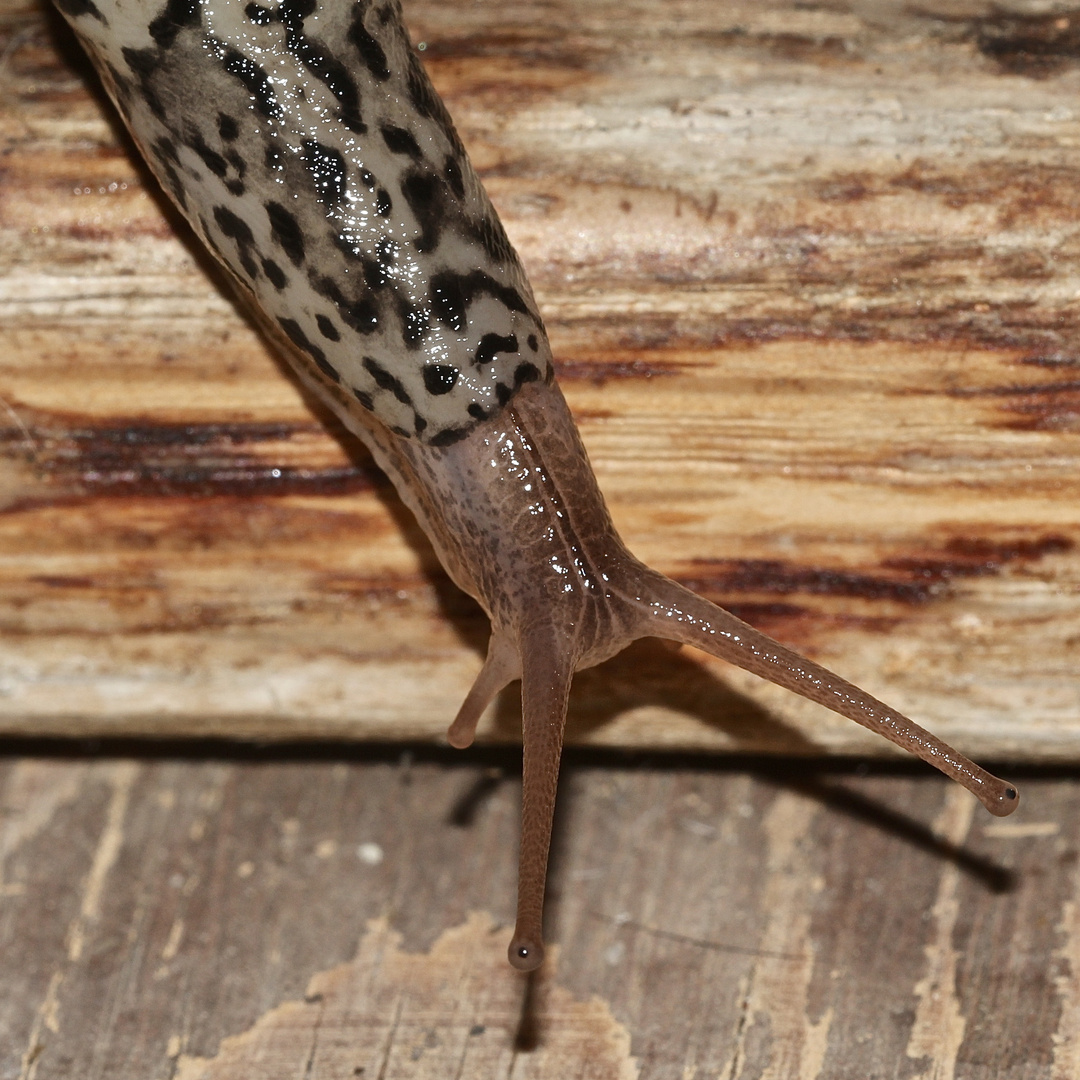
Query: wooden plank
x,y
811,277
165,917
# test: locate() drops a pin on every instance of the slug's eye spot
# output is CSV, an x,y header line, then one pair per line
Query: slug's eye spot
x,y
440,378
525,955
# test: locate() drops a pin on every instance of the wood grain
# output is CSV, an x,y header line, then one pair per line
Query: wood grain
x,y
812,280
163,916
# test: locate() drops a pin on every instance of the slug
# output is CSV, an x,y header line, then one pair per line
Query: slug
x,y
306,146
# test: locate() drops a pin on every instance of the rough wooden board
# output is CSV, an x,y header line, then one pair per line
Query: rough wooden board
x,y
812,280
458,1010
788,924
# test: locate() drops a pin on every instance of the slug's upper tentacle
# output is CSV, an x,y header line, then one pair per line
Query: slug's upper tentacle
x,y
548,664
304,143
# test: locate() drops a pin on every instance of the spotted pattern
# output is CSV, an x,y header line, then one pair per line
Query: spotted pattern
x,y
303,140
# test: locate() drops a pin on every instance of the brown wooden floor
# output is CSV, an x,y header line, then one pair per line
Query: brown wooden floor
x,y
781,921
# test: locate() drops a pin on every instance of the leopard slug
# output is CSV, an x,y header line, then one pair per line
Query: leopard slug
x,y
306,146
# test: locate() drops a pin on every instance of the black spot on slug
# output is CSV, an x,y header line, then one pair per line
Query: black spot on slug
x,y
371,52
144,64
256,82
448,436
386,252
166,148
490,344
525,373
400,141
440,378
326,286
362,315
414,323
237,229
383,203
503,393
532,342
424,194
419,423
232,226
452,293
327,168
260,16
299,339
364,399
476,411
385,381
327,328
286,232
227,127
209,157
274,274
349,247
375,274
449,300
176,15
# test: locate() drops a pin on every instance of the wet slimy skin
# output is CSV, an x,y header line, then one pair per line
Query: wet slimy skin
x,y
306,146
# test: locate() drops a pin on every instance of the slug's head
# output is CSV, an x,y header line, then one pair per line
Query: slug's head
x,y
521,519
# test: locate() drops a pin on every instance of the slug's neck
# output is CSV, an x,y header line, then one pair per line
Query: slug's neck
x,y
515,514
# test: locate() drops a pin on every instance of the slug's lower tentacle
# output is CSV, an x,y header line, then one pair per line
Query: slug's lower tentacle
x,y
501,668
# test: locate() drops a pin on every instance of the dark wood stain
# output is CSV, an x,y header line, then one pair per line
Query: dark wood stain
x,y
133,458
1033,45
908,579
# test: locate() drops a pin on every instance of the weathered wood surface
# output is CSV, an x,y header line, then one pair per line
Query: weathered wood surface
x,y
163,917
812,278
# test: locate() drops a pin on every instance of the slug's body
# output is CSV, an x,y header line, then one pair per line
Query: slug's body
x,y
306,146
